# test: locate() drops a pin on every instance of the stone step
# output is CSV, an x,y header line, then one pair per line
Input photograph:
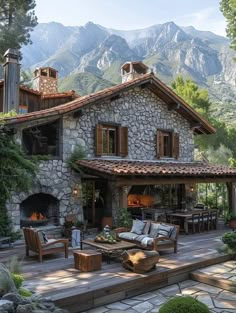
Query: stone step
x,y
219,275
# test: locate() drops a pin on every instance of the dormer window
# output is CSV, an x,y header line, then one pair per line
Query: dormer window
x,y
167,144
111,139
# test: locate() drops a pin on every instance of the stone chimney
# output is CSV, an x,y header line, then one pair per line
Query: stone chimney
x,y
11,81
45,80
132,70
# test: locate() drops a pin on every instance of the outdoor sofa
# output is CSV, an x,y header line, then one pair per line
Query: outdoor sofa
x,y
150,235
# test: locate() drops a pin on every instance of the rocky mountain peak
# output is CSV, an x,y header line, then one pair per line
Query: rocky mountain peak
x,y
167,48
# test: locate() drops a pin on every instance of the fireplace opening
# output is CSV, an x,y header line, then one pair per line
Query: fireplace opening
x,y
38,210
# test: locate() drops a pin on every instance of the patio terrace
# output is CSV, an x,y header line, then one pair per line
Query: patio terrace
x,y
70,289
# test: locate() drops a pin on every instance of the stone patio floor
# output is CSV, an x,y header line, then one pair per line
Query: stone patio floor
x,y
217,299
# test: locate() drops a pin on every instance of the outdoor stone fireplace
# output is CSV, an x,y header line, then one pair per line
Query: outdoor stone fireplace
x,y
39,209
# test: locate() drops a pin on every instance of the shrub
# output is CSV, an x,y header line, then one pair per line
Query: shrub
x,y
18,279
24,292
230,239
184,305
124,218
14,265
229,247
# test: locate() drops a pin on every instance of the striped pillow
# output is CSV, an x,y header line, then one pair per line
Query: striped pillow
x,y
165,230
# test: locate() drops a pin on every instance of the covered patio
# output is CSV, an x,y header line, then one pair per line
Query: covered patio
x,y
151,189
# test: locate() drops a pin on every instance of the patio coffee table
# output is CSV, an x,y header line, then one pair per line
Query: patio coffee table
x,y
107,249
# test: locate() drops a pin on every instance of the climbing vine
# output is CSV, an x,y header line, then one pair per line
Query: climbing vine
x,y
16,174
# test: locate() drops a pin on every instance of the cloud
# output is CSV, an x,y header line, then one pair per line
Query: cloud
x,y
206,19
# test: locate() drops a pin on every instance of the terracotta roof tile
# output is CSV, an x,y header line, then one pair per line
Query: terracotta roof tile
x,y
149,168
109,92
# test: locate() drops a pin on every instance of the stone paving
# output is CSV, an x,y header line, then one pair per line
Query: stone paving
x,y
217,299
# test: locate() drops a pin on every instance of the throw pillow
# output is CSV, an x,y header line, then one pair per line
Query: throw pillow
x,y
146,228
165,230
45,238
40,233
154,229
137,227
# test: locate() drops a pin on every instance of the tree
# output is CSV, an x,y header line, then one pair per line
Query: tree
x,y
190,92
228,8
223,142
17,19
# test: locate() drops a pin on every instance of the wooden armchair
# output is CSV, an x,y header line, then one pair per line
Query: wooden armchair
x,y
34,241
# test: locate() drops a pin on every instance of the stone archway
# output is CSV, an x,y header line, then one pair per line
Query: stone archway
x,y
39,209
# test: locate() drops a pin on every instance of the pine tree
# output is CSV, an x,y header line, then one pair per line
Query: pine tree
x,y
17,19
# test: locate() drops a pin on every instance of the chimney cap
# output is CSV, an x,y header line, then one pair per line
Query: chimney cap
x,y
12,52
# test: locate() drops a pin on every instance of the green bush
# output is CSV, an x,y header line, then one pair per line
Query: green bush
x,y
184,305
24,292
124,218
18,279
230,239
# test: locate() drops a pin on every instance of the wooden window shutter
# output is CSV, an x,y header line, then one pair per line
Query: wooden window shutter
x,y
98,140
159,145
175,145
123,141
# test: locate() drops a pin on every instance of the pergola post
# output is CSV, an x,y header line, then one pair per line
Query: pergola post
x,y
232,197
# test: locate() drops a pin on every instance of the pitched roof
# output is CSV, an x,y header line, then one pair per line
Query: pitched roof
x,y
158,169
45,96
200,124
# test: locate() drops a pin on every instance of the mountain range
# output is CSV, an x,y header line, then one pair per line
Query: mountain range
x,y
89,57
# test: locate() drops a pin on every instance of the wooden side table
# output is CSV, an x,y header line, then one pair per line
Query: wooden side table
x,y
87,260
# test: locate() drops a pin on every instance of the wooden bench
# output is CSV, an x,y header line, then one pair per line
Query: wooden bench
x,y
34,241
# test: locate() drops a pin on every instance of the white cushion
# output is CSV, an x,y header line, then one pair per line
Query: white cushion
x,y
137,227
128,236
154,230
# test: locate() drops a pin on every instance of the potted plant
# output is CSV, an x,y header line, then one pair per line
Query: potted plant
x,y
230,218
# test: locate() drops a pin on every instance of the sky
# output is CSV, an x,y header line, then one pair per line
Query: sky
x,y
133,14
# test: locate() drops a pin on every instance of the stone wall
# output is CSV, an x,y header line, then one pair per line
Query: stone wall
x,y
54,178
143,113
46,85
138,109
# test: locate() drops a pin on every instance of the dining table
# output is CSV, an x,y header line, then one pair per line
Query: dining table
x,y
184,216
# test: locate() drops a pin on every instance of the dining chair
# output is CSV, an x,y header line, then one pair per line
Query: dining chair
x,y
205,221
213,219
194,222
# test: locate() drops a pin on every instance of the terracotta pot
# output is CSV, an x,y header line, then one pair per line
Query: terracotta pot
x,y
232,223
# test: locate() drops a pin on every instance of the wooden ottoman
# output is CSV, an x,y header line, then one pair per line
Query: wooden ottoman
x,y
87,260
140,261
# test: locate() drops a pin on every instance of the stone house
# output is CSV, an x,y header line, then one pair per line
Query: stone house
x,y
139,142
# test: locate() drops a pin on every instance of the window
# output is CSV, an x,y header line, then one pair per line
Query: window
x,y
42,139
52,73
167,144
44,72
111,140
